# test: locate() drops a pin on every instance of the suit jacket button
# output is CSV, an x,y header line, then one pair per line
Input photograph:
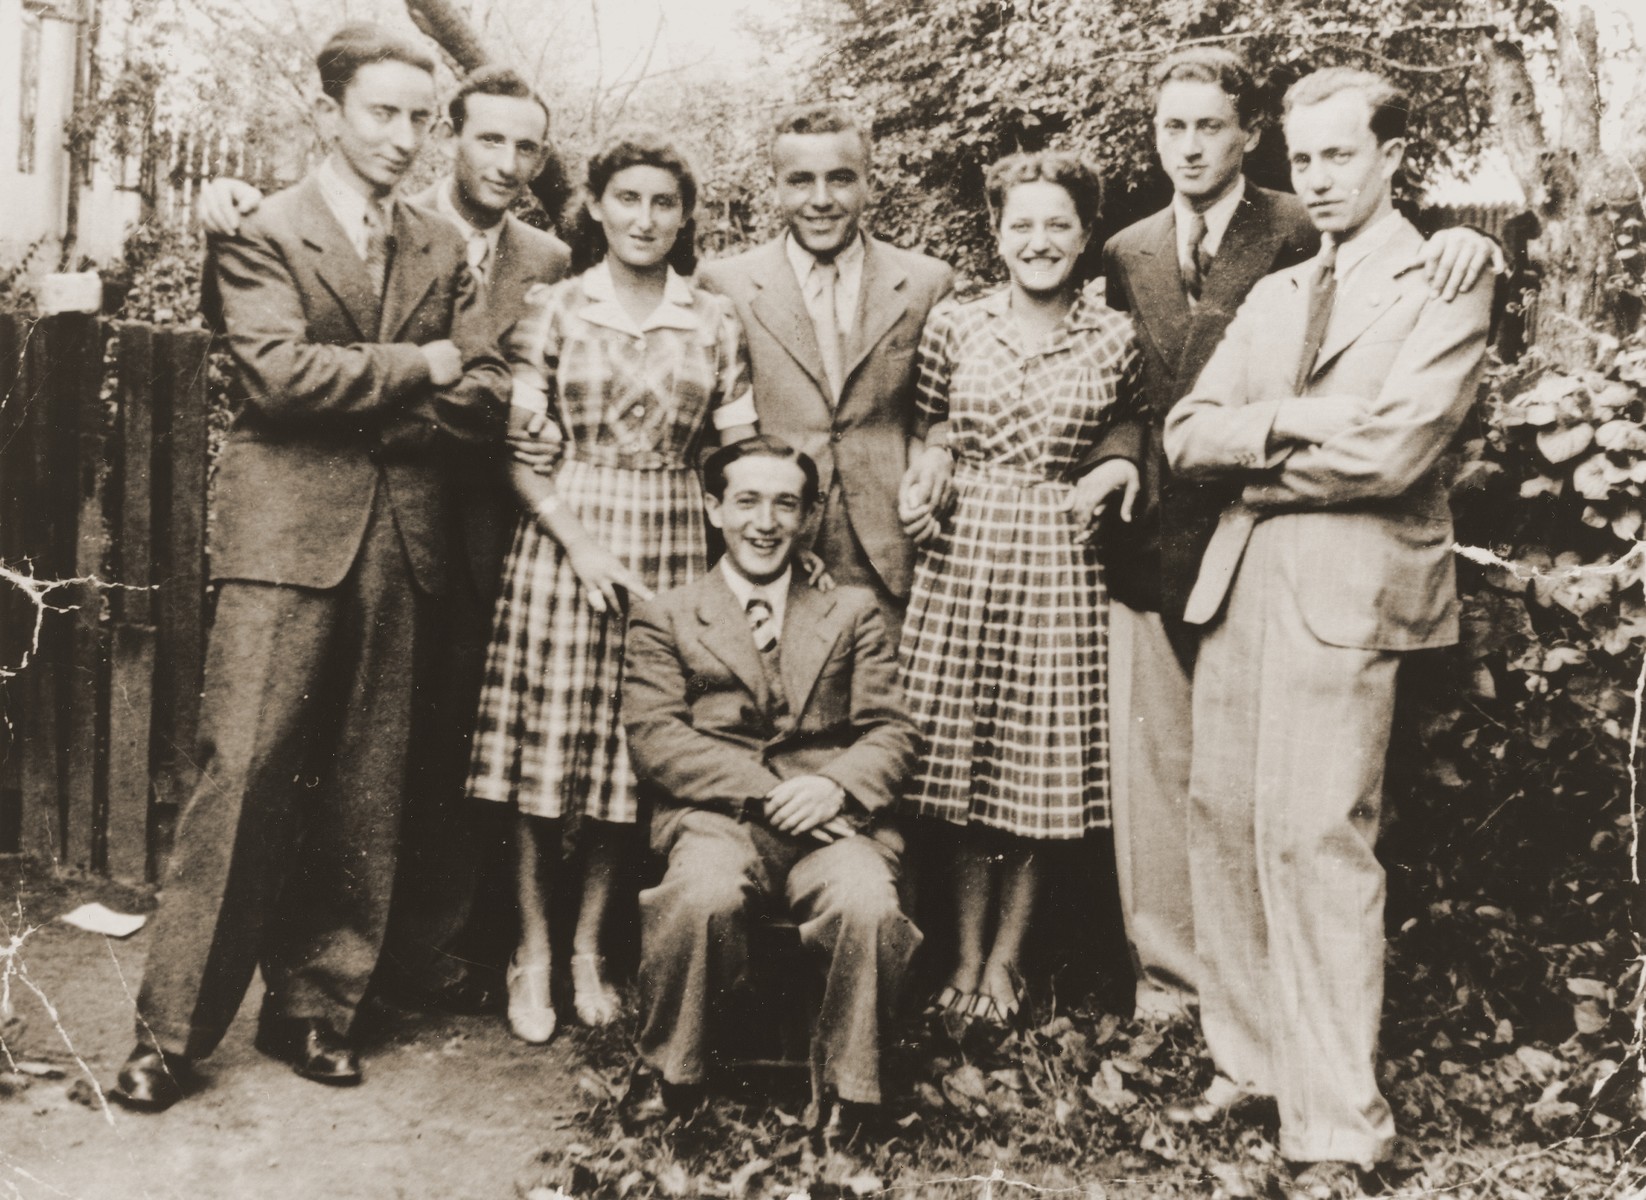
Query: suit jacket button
x,y
836,435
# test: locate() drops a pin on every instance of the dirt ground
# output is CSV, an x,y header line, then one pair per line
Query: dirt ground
x,y
452,1107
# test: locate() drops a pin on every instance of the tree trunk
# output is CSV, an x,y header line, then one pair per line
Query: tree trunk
x,y
448,25
1580,194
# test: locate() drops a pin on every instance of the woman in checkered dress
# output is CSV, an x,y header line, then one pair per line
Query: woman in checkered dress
x,y
1004,645
631,367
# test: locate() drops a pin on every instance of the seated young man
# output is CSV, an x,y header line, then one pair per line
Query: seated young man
x,y
766,719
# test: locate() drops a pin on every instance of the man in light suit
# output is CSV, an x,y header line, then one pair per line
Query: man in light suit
x,y
1181,274
364,362
833,319
1331,403
499,142
765,718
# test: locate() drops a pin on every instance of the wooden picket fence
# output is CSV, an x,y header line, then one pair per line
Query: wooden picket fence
x,y
103,494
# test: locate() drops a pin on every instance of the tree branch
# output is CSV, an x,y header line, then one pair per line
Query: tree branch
x,y
450,28
1515,113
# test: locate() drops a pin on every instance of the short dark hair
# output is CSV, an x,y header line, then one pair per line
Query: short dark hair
x,y
493,81
764,444
1391,107
636,148
821,118
360,44
1067,171
1216,65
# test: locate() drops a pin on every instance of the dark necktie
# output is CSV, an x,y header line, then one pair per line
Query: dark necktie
x,y
1199,262
1322,292
764,627
377,246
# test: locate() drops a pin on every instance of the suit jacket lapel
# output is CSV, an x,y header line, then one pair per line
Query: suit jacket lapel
x,y
1369,293
506,267
411,274
782,310
809,634
725,632
339,269
1161,306
879,305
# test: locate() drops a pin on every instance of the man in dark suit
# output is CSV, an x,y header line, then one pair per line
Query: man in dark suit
x,y
833,319
499,141
766,720
1182,273
364,360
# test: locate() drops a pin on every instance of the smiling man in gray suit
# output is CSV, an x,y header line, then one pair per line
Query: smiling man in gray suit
x,y
833,318
1330,404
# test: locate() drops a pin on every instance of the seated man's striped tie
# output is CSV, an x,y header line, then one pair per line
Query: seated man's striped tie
x,y
762,621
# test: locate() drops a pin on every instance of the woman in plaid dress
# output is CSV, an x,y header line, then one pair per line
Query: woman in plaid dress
x,y
632,365
1004,645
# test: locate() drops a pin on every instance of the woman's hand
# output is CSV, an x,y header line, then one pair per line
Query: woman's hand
x,y
815,570
1096,490
536,443
925,494
602,573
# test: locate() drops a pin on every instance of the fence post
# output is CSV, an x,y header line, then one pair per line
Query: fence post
x,y
46,499
76,345
131,688
179,483
16,613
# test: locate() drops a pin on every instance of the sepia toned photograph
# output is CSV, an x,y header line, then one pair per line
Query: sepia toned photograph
x,y
822,599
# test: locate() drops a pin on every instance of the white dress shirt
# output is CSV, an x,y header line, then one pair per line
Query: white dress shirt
x,y
348,204
1368,241
1217,219
847,289
445,203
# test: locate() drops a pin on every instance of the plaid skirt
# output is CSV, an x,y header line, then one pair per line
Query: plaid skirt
x,y
1005,663
549,736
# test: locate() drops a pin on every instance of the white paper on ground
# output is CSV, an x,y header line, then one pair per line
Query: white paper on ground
x,y
95,918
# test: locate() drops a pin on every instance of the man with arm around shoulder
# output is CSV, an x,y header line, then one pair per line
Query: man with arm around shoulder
x,y
498,140
1330,404
1181,274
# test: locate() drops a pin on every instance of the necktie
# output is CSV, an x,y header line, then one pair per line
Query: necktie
x,y
1322,292
827,323
479,251
764,627
377,246
1199,262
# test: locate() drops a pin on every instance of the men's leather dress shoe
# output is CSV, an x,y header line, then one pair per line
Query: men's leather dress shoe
x,y
312,1048
152,1080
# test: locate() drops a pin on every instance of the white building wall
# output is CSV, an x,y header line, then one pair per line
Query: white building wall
x,y
33,205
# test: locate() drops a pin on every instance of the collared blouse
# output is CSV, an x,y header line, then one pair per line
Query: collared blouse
x,y
1036,410
633,394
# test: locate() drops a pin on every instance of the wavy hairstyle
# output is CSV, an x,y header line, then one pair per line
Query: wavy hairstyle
x,y
1068,171
639,148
